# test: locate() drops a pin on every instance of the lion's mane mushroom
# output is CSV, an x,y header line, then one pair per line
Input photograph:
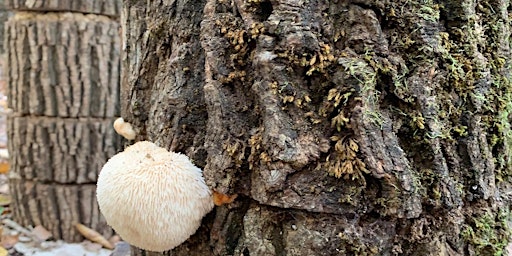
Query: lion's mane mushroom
x,y
154,199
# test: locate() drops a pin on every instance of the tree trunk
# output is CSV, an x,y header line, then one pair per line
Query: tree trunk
x,y
4,14
63,80
345,127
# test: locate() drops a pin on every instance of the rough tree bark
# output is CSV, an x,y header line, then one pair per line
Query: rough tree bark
x,y
346,127
63,78
3,18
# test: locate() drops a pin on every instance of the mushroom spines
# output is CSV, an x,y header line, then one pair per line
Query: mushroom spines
x,y
154,199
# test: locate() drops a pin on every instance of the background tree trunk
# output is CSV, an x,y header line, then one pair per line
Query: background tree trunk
x,y
4,14
346,127
63,80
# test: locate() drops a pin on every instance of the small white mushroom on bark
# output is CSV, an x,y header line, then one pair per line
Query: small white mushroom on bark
x,y
124,129
154,199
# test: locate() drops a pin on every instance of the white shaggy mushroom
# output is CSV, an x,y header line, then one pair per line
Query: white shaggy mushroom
x,y
154,199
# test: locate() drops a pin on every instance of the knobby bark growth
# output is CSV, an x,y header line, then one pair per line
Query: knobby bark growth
x,y
346,127
63,67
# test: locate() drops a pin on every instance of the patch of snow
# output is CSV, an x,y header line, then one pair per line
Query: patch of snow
x,y
58,248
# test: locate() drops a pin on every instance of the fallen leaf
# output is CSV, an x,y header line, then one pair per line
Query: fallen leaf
x,y
3,251
8,241
24,239
93,236
114,239
92,247
4,167
4,187
220,198
5,200
13,225
4,210
4,154
41,233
